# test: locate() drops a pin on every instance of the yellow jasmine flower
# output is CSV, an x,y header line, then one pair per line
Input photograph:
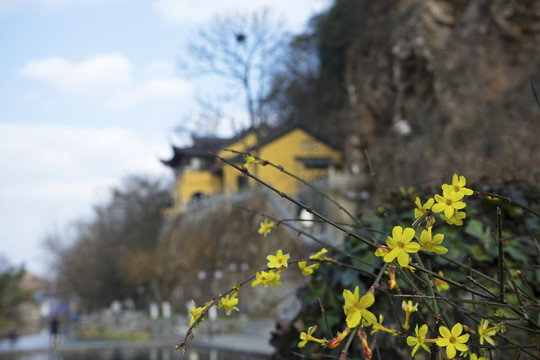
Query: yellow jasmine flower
x,y
275,280
452,340
363,337
392,273
339,338
501,327
382,251
306,270
379,327
252,160
485,332
448,203
458,185
455,219
266,278
305,337
278,261
195,313
409,308
229,302
266,227
421,209
401,245
441,284
419,339
355,308
430,243
320,255
411,268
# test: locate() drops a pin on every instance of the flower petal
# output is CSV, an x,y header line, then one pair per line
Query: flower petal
x,y
353,320
423,330
443,330
457,330
397,231
442,342
414,349
408,234
438,207
449,211
368,316
403,259
450,351
366,301
411,340
391,255
458,205
412,247
463,338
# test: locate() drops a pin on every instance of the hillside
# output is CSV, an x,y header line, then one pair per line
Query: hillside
x,y
430,87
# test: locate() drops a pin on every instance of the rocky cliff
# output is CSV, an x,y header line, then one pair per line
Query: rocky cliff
x,y
436,87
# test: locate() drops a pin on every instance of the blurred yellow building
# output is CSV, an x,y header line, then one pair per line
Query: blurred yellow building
x,y
200,175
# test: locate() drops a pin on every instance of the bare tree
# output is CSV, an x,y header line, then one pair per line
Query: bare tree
x,y
243,48
112,255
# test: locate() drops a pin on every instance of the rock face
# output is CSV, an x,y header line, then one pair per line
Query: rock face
x,y
437,87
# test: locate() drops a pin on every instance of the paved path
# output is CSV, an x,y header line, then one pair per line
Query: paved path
x,y
252,338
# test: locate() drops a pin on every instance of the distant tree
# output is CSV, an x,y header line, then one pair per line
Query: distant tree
x,y
243,49
10,292
111,256
310,87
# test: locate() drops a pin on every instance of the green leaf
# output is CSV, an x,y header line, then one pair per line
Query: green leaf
x,y
478,253
516,254
514,211
475,229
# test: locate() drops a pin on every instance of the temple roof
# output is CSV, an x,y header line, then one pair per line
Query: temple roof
x,y
202,146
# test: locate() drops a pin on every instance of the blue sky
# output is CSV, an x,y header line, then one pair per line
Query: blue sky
x,y
91,91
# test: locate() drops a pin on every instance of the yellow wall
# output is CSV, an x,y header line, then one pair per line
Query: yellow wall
x,y
282,151
230,174
193,182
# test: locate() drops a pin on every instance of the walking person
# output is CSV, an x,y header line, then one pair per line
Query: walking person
x,y
54,330
12,336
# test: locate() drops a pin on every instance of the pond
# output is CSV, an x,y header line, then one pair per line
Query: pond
x,y
136,354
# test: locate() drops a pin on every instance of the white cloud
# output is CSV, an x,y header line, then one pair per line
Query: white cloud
x,y
62,152
91,76
53,174
154,89
109,78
